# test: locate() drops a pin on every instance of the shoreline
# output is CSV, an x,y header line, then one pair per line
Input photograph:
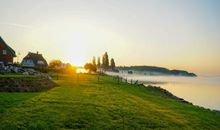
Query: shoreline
x,y
169,94
178,99
166,92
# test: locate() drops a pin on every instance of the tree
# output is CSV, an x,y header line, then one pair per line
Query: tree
x,y
55,64
112,63
94,61
98,63
105,61
69,68
90,67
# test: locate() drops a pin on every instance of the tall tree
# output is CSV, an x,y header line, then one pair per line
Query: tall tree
x,y
98,62
94,61
105,60
112,63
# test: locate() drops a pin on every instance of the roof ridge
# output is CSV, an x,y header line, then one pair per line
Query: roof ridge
x,y
10,49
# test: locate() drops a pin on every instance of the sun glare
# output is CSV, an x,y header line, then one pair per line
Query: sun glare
x,y
76,48
77,61
81,70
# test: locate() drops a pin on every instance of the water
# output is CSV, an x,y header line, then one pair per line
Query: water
x,y
201,91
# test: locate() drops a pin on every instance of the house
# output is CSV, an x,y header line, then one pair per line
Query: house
x,y
6,53
34,60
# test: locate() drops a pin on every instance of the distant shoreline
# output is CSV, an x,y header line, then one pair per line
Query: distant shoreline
x,y
154,70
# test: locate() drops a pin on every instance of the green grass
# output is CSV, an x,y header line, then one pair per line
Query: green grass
x,y
16,76
88,104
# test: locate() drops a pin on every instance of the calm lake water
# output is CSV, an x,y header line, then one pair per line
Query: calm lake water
x,y
201,91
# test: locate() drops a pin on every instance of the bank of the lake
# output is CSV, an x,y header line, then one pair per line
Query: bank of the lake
x,y
89,102
202,90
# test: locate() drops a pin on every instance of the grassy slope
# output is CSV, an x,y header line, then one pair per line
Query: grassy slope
x,y
16,76
107,105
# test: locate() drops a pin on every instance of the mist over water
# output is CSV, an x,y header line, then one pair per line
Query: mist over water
x,y
202,91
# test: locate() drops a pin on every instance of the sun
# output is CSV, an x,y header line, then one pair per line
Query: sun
x,y
75,55
76,48
81,70
77,61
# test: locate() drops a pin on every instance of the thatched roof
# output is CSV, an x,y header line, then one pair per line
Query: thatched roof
x,y
35,57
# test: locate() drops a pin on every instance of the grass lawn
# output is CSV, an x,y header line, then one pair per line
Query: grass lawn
x,y
88,104
17,76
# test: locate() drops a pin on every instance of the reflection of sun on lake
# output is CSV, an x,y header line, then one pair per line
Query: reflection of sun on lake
x,y
81,70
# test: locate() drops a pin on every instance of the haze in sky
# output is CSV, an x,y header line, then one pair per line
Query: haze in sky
x,y
178,34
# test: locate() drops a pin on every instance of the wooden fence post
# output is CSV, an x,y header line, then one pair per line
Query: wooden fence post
x,y
98,78
77,77
118,79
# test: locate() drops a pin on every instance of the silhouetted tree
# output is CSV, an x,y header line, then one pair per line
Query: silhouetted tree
x,y
69,68
112,63
55,64
90,67
105,60
98,63
94,61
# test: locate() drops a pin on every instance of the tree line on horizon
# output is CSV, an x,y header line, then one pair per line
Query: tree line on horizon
x,y
97,64
60,67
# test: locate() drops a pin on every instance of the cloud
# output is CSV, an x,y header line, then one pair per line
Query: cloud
x,y
17,25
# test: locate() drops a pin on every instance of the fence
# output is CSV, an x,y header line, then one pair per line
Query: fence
x,y
125,80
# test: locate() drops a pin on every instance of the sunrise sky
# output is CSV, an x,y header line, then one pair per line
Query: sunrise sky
x,y
178,34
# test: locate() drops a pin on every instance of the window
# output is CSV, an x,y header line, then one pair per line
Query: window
x,y
29,61
4,52
40,62
9,63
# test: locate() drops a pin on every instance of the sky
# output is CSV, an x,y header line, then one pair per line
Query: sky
x,y
177,34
